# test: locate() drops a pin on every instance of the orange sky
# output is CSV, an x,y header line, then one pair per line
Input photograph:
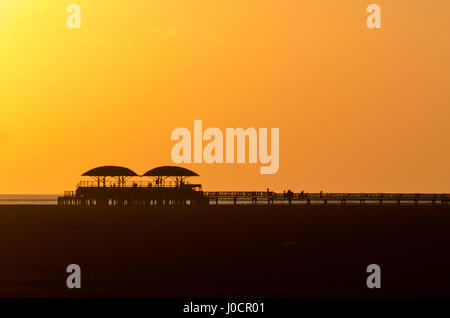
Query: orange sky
x,y
358,109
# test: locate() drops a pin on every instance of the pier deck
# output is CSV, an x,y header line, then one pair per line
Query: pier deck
x,y
187,195
307,198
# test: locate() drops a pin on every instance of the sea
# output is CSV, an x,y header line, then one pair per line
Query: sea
x,y
28,199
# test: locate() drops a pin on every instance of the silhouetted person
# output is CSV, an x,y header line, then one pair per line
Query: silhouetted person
x,y
290,195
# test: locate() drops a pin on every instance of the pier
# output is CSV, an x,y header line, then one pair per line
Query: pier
x,y
168,186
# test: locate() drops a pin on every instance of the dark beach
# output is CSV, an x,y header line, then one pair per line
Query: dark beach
x,y
277,251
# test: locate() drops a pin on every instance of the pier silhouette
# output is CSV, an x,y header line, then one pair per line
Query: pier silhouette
x,y
168,186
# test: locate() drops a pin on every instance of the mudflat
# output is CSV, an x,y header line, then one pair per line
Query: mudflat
x,y
244,251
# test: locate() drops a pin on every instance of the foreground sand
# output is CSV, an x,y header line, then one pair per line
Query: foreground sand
x,y
225,251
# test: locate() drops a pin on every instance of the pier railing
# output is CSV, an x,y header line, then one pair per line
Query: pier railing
x,y
130,184
69,194
328,196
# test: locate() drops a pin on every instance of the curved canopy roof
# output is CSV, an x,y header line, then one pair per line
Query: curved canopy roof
x,y
170,171
110,171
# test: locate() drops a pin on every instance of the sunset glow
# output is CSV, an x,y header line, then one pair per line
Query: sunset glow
x,y
357,109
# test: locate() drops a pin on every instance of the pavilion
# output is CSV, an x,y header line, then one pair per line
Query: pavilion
x,y
120,186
